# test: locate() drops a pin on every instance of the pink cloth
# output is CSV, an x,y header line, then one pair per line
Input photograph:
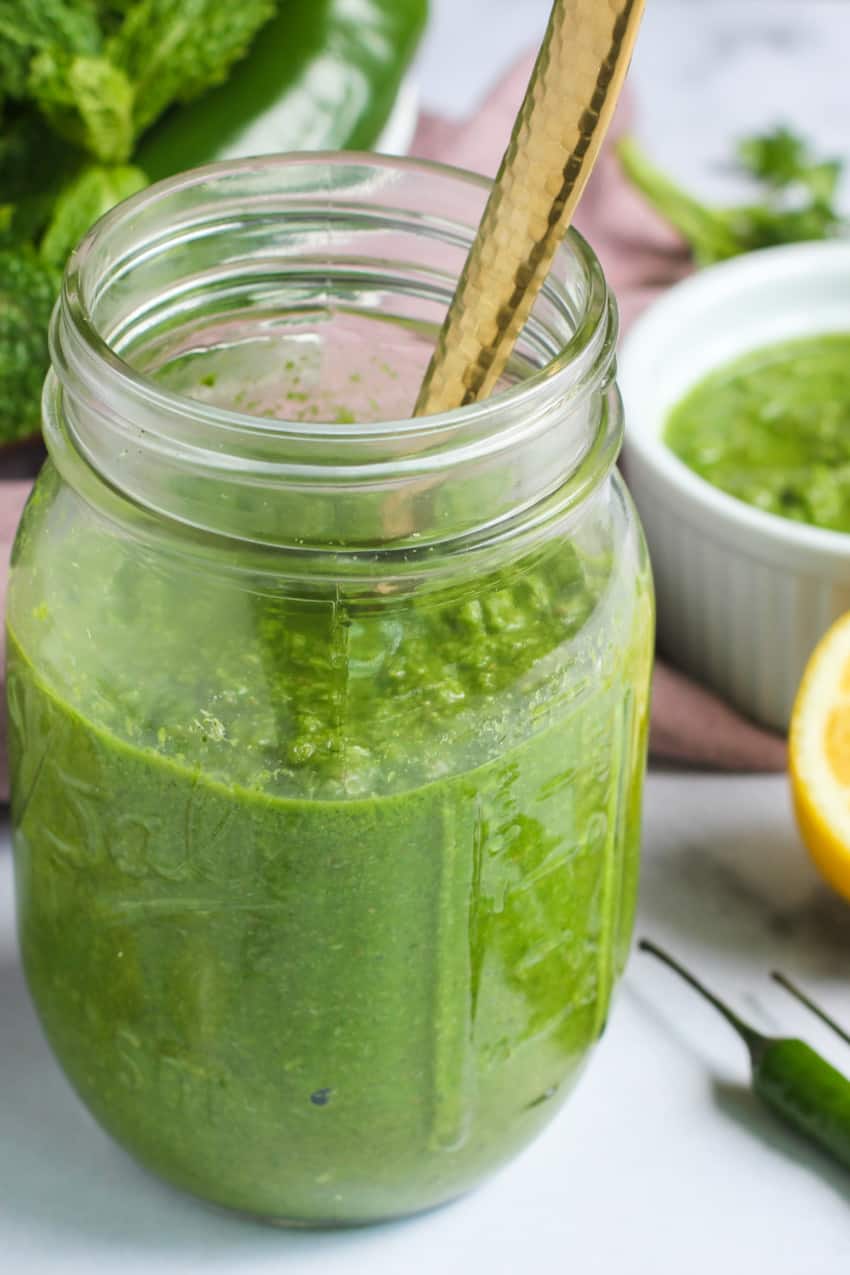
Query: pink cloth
x,y
641,256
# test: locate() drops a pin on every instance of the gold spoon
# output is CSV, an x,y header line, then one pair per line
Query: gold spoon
x,y
555,142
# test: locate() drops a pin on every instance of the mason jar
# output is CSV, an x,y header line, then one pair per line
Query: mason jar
x,y
327,722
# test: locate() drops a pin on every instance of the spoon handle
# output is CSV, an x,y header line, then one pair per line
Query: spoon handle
x,y
555,143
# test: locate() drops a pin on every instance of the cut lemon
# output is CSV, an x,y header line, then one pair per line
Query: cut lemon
x,y
819,756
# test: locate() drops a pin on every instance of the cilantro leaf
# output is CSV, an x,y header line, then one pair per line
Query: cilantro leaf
x,y
776,158
822,180
28,289
92,193
781,160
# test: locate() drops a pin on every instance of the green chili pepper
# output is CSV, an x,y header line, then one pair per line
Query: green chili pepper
x,y
800,1086
801,996
321,75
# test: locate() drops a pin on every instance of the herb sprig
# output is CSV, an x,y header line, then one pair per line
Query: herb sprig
x,y
796,197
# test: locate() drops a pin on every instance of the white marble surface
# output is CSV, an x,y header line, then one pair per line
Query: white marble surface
x,y
661,1162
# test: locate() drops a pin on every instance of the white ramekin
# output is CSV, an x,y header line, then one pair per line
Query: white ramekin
x,y
743,596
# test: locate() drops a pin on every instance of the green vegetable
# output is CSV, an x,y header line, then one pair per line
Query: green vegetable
x,y
797,198
101,87
802,1088
810,1004
84,82
28,289
324,75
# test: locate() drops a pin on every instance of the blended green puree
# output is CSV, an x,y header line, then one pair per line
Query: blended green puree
x,y
773,429
321,903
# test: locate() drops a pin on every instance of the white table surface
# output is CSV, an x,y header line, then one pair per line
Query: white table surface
x,y
661,1162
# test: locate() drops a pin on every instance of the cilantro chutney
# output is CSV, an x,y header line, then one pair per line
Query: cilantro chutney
x,y
322,920
772,428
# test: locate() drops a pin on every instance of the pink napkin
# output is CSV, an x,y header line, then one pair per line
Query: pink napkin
x,y
641,256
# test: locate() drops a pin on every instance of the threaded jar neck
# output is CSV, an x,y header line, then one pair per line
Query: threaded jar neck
x,y
237,351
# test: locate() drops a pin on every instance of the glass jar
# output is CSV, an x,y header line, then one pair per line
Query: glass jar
x,y
327,724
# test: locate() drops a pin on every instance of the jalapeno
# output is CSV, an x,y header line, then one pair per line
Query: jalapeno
x,y
321,75
800,1086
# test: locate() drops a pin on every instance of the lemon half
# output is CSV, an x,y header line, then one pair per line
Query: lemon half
x,y
819,756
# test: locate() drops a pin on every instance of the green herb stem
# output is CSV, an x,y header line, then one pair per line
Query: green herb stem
x,y
795,198
801,996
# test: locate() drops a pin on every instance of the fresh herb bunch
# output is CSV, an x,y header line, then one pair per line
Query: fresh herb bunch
x,y
797,195
97,97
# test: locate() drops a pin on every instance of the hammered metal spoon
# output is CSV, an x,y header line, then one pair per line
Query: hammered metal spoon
x,y
555,143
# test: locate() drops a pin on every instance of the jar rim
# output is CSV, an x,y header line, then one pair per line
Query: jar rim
x,y
228,236
517,396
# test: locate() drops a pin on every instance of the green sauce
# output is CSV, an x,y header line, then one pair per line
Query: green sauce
x,y
321,904
773,429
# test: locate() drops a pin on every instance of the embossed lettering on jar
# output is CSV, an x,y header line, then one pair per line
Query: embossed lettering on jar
x,y
327,725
